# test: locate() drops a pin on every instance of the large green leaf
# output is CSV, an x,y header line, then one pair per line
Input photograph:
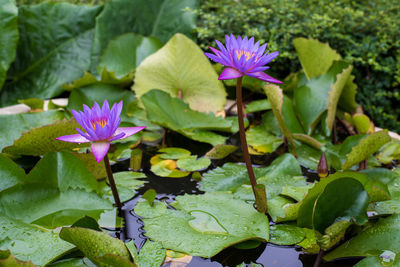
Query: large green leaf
x,y
126,52
8,36
30,243
10,173
383,235
342,200
99,92
58,191
319,94
20,123
203,225
181,69
39,141
95,244
151,254
160,19
54,48
315,57
367,146
231,176
127,183
375,189
262,141
176,115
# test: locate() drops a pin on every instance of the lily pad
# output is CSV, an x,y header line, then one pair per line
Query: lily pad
x,y
151,254
383,235
203,225
23,122
58,191
258,105
389,152
174,153
50,33
182,70
192,163
10,173
127,183
259,139
42,140
285,234
168,168
8,36
30,243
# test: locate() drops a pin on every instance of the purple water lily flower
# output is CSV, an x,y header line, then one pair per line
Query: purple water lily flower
x,y
101,126
243,57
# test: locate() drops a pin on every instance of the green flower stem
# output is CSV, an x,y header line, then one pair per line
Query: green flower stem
x,y
261,202
112,182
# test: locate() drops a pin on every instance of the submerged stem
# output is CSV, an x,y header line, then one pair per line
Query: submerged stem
x,y
319,258
261,207
112,182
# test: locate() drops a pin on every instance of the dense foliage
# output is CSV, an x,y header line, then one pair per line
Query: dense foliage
x,y
363,32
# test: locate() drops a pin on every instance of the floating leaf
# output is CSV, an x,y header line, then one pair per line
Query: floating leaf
x,y
315,57
259,139
58,191
50,33
182,70
10,173
23,122
174,153
8,36
161,19
284,234
151,254
221,222
145,210
367,146
383,235
30,243
167,168
96,168
192,163
124,53
93,243
127,183
42,140
11,261
221,151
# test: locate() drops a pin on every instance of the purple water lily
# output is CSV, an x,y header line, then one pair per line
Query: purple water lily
x,y
101,126
243,57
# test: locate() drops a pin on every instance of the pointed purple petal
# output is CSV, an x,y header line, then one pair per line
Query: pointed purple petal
x,y
128,131
99,150
215,58
221,46
87,136
263,76
73,138
230,73
116,137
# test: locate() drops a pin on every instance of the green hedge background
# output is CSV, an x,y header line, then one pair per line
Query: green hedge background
x,y
366,33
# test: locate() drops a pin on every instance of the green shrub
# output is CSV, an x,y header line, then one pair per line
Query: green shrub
x,y
366,33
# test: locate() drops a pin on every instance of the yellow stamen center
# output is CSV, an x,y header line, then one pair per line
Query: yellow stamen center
x,y
101,122
247,54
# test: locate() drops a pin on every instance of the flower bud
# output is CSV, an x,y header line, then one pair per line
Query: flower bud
x,y
323,167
